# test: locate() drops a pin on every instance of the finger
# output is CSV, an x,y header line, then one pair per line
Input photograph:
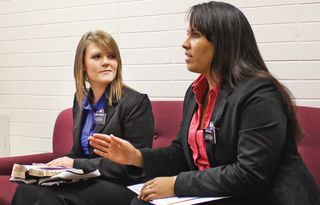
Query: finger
x,y
103,147
142,195
57,163
98,142
116,140
145,186
149,183
151,197
146,192
96,139
102,137
52,163
49,163
102,154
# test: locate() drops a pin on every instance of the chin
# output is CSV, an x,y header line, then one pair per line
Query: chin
x,y
109,78
191,69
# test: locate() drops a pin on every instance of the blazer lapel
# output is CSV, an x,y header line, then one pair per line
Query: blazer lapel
x,y
221,103
109,111
191,107
78,124
219,108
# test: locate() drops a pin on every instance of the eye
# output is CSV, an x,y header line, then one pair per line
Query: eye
x,y
96,56
196,34
111,56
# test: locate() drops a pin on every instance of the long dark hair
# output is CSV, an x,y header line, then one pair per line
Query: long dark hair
x,y
236,54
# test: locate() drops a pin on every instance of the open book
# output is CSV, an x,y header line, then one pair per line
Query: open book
x,y
176,200
47,176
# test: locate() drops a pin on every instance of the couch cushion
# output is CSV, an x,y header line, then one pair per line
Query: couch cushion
x,y
7,190
167,116
309,119
62,133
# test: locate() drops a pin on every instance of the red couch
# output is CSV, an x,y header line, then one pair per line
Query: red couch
x,y
167,116
62,141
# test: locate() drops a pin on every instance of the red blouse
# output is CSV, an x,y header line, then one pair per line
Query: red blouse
x,y
196,137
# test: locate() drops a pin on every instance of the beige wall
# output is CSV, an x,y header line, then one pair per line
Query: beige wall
x,y
38,40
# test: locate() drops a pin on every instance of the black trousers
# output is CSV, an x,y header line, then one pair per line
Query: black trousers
x,y
91,192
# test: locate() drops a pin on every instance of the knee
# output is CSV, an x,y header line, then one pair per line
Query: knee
x,y
22,195
31,194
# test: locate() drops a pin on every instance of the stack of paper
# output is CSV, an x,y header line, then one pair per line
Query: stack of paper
x,y
46,175
175,200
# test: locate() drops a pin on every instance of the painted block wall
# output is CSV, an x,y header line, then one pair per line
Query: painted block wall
x,y
39,37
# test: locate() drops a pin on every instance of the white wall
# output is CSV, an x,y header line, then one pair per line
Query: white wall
x,y
39,37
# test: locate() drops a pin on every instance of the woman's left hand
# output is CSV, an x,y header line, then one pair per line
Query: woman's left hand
x,y
160,187
61,162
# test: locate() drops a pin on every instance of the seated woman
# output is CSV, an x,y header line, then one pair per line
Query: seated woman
x,y
239,129
107,106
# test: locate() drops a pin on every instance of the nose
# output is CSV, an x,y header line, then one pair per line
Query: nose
x,y
105,61
186,43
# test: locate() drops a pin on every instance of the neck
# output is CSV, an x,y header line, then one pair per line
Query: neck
x,y
98,91
212,79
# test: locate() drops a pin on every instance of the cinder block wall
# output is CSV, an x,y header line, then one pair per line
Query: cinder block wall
x,y
39,37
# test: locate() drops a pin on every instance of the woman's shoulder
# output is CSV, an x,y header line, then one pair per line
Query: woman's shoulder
x,y
256,88
132,96
255,84
127,91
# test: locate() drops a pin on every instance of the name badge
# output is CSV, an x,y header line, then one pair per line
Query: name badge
x,y
99,117
210,134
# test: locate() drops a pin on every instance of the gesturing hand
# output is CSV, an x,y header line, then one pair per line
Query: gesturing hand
x,y
116,149
156,188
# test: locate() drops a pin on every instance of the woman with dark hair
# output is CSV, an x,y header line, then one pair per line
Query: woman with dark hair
x,y
102,104
239,132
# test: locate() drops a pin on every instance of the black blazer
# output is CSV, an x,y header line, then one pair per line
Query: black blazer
x,y
131,119
255,159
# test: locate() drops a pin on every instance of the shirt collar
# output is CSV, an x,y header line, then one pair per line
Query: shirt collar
x,y
100,104
200,87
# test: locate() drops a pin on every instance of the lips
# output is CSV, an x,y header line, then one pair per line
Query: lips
x,y
188,57
105,71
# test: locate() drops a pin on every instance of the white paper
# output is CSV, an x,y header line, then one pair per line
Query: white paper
x,y
175,200
61,178
67,177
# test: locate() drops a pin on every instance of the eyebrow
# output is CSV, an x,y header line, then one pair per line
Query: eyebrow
x,y
193,30
95,52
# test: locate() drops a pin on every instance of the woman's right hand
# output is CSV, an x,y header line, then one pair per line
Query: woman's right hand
x,y
116,149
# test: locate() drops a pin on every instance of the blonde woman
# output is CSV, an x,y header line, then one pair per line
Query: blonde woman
x,y
102,104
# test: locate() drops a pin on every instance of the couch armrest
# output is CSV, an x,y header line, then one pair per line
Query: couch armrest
x,y
6,163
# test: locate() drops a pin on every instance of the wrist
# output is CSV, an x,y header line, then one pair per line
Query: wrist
x,y
138,159
174,178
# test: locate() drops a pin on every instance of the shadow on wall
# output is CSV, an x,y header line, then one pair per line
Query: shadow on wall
x,y
4,135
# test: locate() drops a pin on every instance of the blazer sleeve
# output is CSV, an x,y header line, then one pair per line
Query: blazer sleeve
x,y
136,126
260,121
168,161
76,149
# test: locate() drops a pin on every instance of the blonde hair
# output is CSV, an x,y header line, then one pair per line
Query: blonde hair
x,y
105,40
